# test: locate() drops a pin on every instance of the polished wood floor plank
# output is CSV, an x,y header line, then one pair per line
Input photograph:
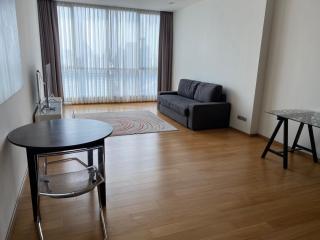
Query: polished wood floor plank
x,y
185,185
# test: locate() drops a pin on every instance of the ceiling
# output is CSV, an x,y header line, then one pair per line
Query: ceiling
x,y
158,5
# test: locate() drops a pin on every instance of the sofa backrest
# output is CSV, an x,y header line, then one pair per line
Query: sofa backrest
x,y
201,91
223,97
208,92
187,88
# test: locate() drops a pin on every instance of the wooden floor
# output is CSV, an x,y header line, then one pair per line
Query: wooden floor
x,y
186,185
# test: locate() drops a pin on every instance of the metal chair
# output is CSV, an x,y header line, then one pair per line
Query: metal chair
x,y
69,184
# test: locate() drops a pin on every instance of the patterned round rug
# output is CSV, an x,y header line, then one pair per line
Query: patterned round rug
x,y
130,122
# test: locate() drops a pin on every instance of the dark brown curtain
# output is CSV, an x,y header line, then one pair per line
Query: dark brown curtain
x,y
49,38
165,51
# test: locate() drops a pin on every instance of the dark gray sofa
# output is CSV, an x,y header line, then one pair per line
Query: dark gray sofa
x,y
196,105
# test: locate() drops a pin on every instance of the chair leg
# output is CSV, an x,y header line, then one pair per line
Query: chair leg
x,y
102,218
39,229
38,221
45,165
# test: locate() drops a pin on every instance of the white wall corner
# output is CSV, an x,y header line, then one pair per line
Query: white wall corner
x,y
262,67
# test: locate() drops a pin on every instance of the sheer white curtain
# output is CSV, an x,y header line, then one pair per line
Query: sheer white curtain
x,y
108,54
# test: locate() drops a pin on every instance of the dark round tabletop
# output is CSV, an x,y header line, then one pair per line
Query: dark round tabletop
x,y
60,133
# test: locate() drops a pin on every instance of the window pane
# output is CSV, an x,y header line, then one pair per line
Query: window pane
x,y
108,55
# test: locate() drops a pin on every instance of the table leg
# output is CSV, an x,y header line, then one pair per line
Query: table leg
x,y
285,144
296,139
274,134
33,179
313,145
90,157
101,166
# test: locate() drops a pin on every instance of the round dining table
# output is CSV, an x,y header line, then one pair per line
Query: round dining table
x,y
58,136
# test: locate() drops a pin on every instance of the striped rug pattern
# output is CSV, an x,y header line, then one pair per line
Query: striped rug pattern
x,y
130,122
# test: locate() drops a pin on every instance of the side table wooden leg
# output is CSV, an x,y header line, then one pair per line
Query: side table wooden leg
x,y
33,179
101,166
90,157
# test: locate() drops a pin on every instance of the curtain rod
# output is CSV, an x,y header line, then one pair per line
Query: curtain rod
x,y
70,3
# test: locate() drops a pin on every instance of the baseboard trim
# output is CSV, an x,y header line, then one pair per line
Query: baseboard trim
x,y
267,139
13,216
279,144
256,135
247,134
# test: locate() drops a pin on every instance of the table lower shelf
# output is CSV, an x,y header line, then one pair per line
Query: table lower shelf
x,y
70,184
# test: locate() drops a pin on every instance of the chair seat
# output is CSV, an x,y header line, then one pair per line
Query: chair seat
x,y
177,103
70,184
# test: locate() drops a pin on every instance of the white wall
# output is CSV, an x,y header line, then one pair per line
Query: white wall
x,y
292,77
17,111
219,41
262,67
10,74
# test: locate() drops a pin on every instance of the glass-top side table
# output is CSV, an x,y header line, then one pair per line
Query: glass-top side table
x,y
310,118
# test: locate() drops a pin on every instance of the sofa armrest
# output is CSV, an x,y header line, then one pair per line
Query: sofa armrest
x,y
209,115
168,93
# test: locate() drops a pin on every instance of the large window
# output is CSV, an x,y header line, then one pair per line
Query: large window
x,y
108,54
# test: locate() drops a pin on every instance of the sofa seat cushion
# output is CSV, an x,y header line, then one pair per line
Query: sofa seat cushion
x,y
177,103
187,88
208,92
